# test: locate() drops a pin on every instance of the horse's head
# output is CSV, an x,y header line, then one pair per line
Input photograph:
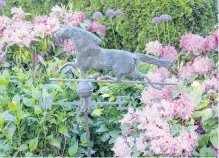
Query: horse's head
x,y
76,34
66,33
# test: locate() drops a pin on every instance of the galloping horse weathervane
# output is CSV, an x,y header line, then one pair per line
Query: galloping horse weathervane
x,y
90,55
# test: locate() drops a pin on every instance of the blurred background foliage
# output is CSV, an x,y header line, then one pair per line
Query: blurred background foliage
x,y
135,28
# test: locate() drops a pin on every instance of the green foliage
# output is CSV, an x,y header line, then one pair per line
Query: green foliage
x,y
134,28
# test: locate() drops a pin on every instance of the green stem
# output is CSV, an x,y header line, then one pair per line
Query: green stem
x,y
111,20
168,32
158,32
164,33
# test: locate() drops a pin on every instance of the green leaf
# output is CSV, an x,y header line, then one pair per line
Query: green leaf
x,y
37,110
33,144
55,142
205,113
196,96
114,133
23,147
176,91
41,60
203,140
105,137
102,129
206,152
28,154
3,82
12,106
73,148
214,137
11,129
83,138
35,93
63,130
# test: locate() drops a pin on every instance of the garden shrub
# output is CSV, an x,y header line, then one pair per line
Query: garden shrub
x,y
134,29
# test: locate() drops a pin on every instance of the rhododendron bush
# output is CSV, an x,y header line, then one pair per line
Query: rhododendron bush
x,y
178,120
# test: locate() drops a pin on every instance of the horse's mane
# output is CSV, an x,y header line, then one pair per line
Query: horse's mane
x,y
89,35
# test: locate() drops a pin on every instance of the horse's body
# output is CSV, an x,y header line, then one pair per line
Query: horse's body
x,y
91,55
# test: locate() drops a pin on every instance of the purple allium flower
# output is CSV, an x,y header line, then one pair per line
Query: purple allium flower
x,y
97,15
2,60
165,18
156,20
110,12
118,12
2,4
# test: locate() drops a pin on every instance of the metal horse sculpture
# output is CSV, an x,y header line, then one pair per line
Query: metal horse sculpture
x,y
90,55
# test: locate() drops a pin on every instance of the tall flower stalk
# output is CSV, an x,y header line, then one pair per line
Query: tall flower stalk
x,y
111,13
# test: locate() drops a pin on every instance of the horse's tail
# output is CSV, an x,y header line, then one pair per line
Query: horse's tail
x,y
153,60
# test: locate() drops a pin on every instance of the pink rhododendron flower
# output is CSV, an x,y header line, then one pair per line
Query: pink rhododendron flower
x,y
202,65
129,118
159,74
191,42
188,141
140,143
96,27
69,46
215,34
18,13
121,148
153,47
183,107
74,19
19,33
44,25
166,145
209,43
169,53
151,93
4,20
57,11
210,84
186,72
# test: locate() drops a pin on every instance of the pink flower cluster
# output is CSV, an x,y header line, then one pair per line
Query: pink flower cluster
x,y
18,14
69,46
201,65
3,22
168,52
58,12
74,19
159,74
122,148
155,118
44,25
195,43
96,27
153,47
152,121
210,85
19,33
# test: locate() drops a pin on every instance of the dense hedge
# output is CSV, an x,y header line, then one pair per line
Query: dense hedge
x,y
134,28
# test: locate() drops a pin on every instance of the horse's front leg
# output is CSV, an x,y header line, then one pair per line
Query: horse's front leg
x,y
67,67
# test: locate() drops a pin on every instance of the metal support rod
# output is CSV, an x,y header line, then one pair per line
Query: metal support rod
x,y
111,81
87,131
